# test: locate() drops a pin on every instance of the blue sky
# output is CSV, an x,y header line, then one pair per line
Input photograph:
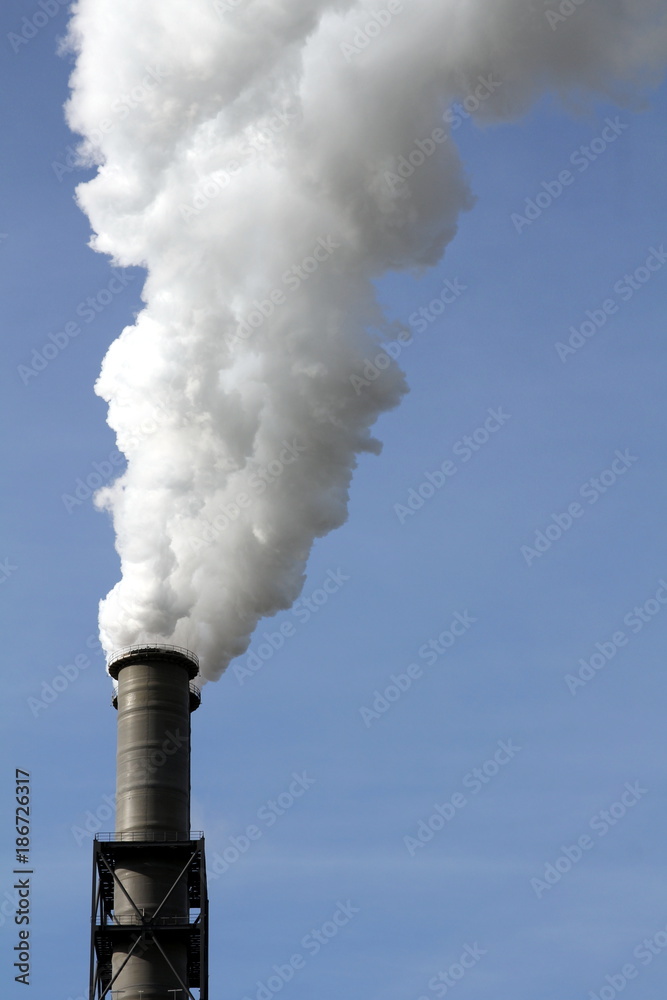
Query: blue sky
x,y
479,881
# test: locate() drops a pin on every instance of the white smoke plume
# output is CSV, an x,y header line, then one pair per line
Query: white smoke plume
x,y
249,157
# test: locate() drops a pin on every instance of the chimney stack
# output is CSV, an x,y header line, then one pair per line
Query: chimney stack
x,y
150,907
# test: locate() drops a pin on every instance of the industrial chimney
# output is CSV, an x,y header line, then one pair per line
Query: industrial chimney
x,y
150,907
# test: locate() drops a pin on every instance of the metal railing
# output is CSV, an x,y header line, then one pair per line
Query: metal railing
x,y
119,654
155,836
134,920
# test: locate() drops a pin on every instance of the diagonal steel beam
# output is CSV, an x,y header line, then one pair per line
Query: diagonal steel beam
x,y
120,884
125,961
165,957
176,881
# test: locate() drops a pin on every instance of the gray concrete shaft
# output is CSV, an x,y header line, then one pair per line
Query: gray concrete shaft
x,y
153,758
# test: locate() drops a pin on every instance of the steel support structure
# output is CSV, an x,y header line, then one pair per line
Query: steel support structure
x,y
138,933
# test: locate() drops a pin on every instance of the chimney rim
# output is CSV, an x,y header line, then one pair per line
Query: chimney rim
x,y
149,652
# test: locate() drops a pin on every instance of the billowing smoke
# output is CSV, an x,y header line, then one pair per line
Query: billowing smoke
x,y
265,161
